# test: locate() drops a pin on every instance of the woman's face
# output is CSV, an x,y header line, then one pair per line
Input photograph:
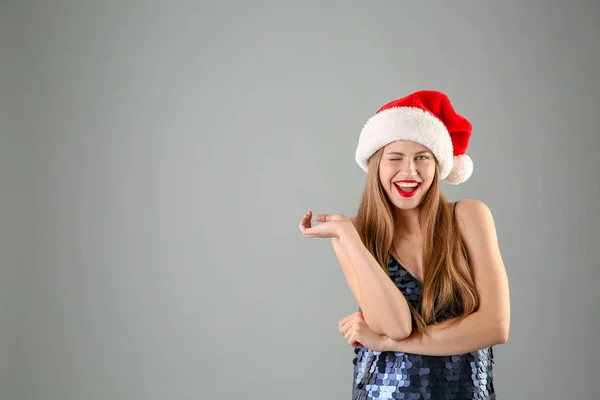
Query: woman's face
x,y
406,171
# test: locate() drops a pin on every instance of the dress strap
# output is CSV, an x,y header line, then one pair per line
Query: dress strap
x,y
454,209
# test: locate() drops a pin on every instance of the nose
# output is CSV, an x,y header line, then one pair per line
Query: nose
x,y
408,167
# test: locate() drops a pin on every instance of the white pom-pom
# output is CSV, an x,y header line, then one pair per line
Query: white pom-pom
x,y
462,168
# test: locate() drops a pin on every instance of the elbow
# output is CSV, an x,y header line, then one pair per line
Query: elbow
x,y
501,332
394,329
399,333
398,337
503,336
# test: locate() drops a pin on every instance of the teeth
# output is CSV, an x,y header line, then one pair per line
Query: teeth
x,y
405,184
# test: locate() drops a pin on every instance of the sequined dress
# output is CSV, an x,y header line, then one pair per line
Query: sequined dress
x,y
397,375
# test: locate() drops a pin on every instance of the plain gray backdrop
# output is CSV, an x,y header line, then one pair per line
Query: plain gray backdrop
x,y
156,158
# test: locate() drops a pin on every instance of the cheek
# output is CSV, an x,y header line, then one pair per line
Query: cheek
x,y
428,172
385,183
385,175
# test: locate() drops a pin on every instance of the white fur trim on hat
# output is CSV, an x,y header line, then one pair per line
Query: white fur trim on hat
x,y
461,171
405,123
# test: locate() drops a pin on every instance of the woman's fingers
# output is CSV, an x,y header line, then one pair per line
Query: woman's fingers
x,y
349,317
347,325
347,322
344,320
313,231
329,226
322,217
321,230
305,221
327,217
310,231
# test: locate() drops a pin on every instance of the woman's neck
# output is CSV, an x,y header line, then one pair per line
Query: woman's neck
x,y
407,223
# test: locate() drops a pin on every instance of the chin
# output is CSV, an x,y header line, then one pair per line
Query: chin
x,y
407,205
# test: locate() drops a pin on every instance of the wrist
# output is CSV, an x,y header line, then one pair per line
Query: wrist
x,y
348,234
386,343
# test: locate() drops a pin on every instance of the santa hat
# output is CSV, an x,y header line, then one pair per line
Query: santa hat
x,y
426,117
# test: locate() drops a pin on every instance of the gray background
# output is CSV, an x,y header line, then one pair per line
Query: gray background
x,y
156,158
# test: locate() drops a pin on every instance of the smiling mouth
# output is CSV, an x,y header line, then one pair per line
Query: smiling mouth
x,y
407,188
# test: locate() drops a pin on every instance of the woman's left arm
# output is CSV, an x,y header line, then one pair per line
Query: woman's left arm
x,y
487,326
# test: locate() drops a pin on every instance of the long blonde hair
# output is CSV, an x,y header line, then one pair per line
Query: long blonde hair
x,y
448,283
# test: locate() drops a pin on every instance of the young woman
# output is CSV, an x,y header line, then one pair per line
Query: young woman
x,y
427,274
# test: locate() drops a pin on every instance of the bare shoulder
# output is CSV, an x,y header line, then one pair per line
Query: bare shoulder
x,y
475,221
470,211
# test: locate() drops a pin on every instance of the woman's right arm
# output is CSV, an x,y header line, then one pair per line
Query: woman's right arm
x,y
347,268
384,307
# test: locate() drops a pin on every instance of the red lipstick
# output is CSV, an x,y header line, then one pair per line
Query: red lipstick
x,y
410,191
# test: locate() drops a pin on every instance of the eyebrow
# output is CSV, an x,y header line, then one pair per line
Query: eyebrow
x,y
397,153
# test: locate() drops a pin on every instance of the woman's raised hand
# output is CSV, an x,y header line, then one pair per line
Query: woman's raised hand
x,y
331,225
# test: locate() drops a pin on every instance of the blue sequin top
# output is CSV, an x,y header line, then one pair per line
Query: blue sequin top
x,y
397,375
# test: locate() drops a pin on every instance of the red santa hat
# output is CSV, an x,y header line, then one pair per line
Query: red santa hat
x,y
426,117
